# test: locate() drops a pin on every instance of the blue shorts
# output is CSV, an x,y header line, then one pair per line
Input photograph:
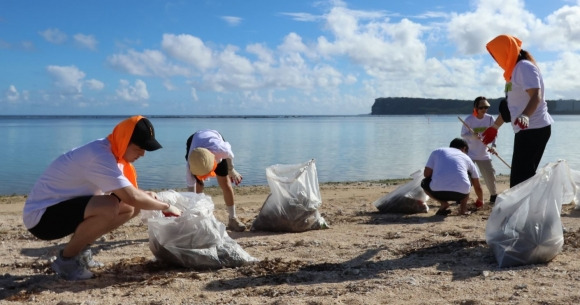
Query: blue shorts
x,y
61,219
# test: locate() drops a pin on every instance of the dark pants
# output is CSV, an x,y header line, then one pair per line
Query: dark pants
x,y
529,145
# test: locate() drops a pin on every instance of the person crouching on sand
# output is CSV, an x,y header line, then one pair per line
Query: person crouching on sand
x,y
449,174
90,191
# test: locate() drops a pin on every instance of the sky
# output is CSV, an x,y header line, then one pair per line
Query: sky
x,y
265,57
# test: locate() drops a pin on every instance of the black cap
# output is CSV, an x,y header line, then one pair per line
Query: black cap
x,y
144,135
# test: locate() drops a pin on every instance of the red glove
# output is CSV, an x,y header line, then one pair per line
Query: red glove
x,y
489,135
478,203
523,121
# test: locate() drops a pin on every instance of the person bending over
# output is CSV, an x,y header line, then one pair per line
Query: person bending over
x,y
209,155
449,173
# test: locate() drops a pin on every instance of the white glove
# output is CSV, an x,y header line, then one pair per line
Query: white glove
x,y
523,121
235,177
171,211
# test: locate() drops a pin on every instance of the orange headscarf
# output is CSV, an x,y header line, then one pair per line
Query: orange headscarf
x,y
505,49
119,139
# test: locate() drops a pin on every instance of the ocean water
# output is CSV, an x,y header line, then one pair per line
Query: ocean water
x,y
345,148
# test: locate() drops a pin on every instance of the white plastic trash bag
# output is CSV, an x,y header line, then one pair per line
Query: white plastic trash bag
x,y
524,226
409,198
292,205
196,239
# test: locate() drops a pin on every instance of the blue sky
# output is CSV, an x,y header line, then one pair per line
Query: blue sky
x,y
266,57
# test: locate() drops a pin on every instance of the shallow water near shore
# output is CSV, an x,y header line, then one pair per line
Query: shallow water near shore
x,y
346,148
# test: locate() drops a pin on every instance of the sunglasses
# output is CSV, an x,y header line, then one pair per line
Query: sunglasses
x,y
483,107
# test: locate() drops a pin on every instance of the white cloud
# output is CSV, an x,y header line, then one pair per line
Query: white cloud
x,y
189,49
194,94
561,31
231,20
86,41
55,36
135,93
146,63
94,84
12,95
169,85
68,78
306,17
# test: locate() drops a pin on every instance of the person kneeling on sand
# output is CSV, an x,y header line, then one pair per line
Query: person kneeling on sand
x,y
449,174
209,155
90,191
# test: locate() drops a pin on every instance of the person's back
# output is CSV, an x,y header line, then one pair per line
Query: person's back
x,y
450,170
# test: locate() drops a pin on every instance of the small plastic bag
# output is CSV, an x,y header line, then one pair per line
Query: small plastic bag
x,y
196,239
292,205
524,226
409,198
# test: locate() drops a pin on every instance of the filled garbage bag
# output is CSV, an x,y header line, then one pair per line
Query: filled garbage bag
x,y
409,198
292,205
196,239
524,226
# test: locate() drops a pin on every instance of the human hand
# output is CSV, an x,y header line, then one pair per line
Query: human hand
x,y
152,194
478,203
489,135
235,177
171,211
492,150
523,121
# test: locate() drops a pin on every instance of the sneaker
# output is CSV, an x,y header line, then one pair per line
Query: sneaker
x,y
492,199
235,225
87,258
71,269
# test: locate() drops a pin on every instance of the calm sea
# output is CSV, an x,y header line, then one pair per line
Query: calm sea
x,y
346,148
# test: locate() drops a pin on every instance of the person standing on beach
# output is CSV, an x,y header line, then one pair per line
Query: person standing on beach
x,y
449,174
90,191
209,155
478,121
526,107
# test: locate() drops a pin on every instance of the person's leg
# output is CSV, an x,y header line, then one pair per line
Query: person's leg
x,y
529,146
103,214
426,186
225,184
463,206
488,173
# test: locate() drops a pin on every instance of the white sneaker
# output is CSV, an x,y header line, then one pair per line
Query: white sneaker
x,y
87,258
71,269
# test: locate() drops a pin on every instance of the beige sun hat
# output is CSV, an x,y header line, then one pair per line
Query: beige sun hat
x,y
201,162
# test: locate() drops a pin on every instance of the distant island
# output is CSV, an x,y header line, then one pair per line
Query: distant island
x,y
410,105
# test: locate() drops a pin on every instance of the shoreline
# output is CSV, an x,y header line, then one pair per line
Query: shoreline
x,y
214,189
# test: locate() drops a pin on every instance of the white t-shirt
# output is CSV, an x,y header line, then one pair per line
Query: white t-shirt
x,y
477,150
212,141
84,171
527,76
450,170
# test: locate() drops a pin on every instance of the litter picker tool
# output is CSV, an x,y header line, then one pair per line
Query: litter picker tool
x,y
473,133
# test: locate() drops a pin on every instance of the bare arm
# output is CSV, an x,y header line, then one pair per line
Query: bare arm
x,y
534,94
427,172
140,199
477,188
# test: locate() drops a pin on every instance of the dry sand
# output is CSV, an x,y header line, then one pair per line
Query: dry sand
x,y
364,258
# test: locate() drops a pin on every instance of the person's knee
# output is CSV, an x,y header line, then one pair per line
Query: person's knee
x,y
106,208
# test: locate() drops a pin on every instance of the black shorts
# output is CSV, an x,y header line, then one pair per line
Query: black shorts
x,y
61,219
441,195
221,170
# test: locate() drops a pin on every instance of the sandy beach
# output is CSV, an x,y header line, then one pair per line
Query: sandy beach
x,y
363,258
